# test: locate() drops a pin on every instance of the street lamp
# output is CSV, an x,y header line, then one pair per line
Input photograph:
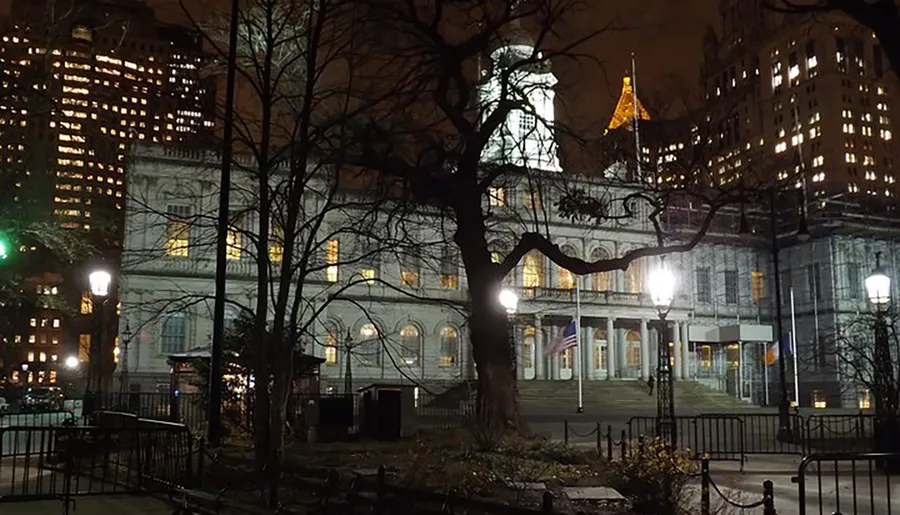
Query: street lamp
x,y
72,363
878,287
99,281
510,302
662,293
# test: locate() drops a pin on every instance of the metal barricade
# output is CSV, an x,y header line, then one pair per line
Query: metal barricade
x,y
848,483
63,462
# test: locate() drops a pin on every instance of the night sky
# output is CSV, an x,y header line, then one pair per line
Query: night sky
x,y
665,35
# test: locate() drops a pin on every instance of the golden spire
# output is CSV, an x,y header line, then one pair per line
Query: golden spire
x,y
624,113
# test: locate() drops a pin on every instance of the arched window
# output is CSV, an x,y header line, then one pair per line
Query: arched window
x,y
368,351
600,281
633,349
230,317
330,346
598,349
566,279
173,334
449,347
533,270
410,345
634,276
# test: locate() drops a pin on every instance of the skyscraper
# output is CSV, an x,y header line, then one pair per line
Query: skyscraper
x,y
85,84
81,82
800,96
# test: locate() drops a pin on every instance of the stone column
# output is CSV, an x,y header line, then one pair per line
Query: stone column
x,y
620,350
587,350
539,358
611,342
676,349
554,358
517,337
645,350
686,350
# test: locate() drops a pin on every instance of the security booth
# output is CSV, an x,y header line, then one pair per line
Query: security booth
x,y
388,411
237,405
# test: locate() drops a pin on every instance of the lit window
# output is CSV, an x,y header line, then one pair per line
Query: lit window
x,y
53,376
865,400
566,279
234,247
276,243
757,288
533,199
56,323
410,345
33,322
177,231
331,344
42,357
449,270
30,357
819,399
818,161
497,197
87,306
369,348
533,270
332,252
409,269
449,347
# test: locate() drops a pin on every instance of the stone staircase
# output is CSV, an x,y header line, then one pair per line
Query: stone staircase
x,y
620,399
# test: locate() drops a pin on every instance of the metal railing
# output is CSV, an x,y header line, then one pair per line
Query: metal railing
x,y
848,483
64,462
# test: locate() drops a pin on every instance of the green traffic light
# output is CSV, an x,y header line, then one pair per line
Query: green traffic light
x,y
4,249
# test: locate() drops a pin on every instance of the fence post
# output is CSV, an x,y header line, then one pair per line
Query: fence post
x,y
547,502
641,444
566,431
768,498
624,444
201,451
379,490
599,440
609,441
704,486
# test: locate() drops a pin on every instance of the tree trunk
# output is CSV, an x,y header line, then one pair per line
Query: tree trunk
x,y
498,395
498,398
281,389
261,399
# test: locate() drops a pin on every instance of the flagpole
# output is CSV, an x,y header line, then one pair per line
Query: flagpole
x,y
578,357
637,116
794,350
766,372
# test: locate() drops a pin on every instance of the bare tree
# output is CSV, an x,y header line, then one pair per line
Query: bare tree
x,y
453,96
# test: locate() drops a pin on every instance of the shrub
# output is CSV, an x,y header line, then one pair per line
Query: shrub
x,y
653,477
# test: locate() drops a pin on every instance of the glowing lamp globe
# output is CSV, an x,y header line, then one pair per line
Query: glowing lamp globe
x,y
662,286
100,281
509,300
878,286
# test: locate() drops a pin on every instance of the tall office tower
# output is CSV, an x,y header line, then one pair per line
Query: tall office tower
x,y
85,80
789,94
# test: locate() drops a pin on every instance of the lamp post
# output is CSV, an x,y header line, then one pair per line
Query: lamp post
x,y
785,432
662,293
510,302
878,287
123,377
99,281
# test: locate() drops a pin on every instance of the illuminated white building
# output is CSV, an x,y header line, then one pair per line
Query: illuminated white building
x,y
526,138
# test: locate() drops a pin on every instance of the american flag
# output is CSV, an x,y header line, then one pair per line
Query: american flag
x,y
564,341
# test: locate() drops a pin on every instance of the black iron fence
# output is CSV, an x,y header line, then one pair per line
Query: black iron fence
x,y
64,462
848,483
50,418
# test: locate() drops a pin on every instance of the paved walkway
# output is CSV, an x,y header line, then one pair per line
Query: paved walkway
x,y
113,505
